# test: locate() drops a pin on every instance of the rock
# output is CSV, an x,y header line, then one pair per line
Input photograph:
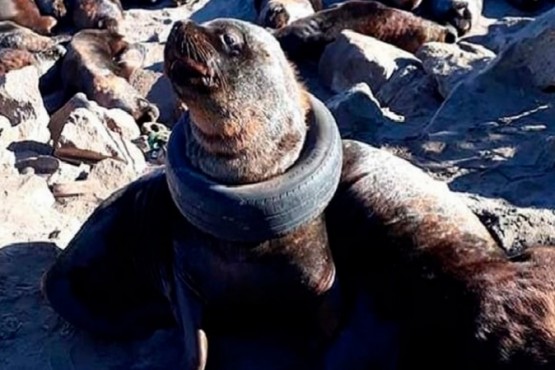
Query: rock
x,y
496,127
359,115
514,228
238,9
412,93
353,58
21,103
7,162
67,172
500,33
121,122
157,89
6,132
31,189
111,175
105,177
27,213
83,131
449,64
115,119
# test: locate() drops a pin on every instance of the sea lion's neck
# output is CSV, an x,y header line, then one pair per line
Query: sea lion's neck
x,y
233,152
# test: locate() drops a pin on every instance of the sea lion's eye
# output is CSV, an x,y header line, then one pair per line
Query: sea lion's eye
x,y
232,42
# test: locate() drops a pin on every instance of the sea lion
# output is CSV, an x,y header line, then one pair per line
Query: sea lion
x,y
432,268
15,36
12,59
98,63
279,13
27,14
396,236
527,5
306,38
53,8
20,47
291,278
463,15
97,14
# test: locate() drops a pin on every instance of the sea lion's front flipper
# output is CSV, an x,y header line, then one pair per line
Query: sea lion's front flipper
x,y
108,279
187,311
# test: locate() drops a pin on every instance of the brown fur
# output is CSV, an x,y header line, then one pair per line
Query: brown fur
x,y
27,14
213,286
54,8
12,59
96,14
91,66
279,13
433,268
307,37
15,36
242,144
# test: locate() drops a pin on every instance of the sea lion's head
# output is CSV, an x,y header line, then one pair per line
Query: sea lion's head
x,y
242,93
275,14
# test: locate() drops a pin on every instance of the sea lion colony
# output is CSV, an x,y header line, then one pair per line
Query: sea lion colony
x,y
496,327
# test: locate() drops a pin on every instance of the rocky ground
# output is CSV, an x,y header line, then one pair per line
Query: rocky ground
x,y
478,114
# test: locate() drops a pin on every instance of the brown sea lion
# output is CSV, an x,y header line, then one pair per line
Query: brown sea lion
x,y
431,267
20,47
463,15
54,8
306,38
98,63
153,255
279,13
98,14
27,14
12,59
14,36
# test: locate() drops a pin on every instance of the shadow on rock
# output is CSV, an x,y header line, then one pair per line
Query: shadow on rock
x,y
239,9
494,135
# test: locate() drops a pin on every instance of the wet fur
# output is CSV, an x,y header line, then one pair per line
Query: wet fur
x,y
27,14
433,268
93,65
307,37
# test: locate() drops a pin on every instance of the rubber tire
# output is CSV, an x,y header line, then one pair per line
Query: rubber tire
x,y
265,210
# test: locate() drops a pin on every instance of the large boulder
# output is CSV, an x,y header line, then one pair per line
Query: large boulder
x,y
497,127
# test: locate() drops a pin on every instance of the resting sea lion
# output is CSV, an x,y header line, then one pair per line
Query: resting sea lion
x,y
54,8
396,235
20,47
307,37
99,14
14,36
279,13
463,15
98,63
26,13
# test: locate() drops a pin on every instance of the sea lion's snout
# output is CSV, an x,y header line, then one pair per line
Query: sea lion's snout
x,y
190,57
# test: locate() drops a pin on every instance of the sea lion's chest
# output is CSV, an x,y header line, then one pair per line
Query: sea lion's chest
x,y
290,270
